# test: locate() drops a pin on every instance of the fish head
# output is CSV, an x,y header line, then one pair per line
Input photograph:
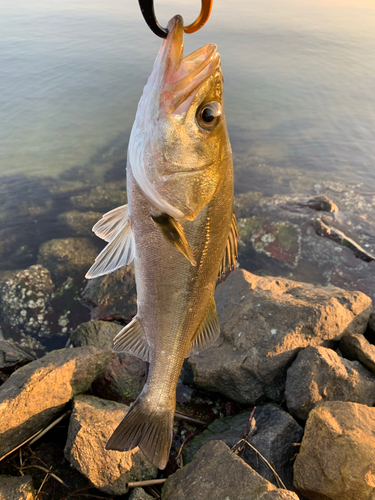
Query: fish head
x,y
179,142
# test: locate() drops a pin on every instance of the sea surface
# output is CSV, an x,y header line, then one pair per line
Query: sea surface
x,y
299,101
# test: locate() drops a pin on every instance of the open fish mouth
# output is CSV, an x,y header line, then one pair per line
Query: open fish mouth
x,y
184,75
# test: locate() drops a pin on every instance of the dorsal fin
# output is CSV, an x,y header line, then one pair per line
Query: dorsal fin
x,y
111,223
208,331
231,250
174,233
119,252
132,339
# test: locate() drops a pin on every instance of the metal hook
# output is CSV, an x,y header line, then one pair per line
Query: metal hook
x,y
147,9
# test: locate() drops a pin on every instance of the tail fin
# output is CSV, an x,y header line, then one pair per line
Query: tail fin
x,y
150,430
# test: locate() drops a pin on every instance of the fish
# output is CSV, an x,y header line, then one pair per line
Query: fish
x,y
179,228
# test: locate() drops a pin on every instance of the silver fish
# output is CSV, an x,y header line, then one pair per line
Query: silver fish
x,y
178,226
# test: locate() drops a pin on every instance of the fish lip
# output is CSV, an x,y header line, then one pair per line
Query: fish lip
x,y
184,75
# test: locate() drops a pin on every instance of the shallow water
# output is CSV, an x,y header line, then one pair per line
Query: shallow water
x,y
300,105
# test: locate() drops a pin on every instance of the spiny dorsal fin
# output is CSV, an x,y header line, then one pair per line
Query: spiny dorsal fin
x,y
111,223
119,252
231,250
132,339
174,233
208,332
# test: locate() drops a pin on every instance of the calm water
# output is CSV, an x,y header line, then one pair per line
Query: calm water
x,y
299,76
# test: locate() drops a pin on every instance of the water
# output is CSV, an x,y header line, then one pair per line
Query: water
x,y
300,106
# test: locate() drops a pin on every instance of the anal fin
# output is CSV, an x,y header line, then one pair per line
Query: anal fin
x,y
174,233
231,249
208,331
132,339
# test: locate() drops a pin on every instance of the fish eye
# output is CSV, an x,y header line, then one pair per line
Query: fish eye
x,y
208,115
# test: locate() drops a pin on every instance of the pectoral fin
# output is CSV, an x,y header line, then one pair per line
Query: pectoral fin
x,y
231,250
132,339
174,233
208,331
111,223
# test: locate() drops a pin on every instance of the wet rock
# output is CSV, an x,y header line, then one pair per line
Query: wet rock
x,y
102,198
278,240
139,494
319,374
337,454
11,358
112,296
67,257
357,347
80,223
245,203
125,375
264,323
218,473
91,424
36,393
274,436
16,488
321,203
24,299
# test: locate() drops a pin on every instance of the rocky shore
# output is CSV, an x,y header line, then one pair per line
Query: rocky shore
x,y
280,407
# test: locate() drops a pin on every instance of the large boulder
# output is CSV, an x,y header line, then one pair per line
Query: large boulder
x,y
101,198
113,296
11,358
217,473
319,374
67,257
276,434
264,323
16,488
99,334
337,454
92,422
355,346
37,393
80,223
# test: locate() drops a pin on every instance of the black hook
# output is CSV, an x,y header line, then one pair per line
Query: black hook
x,y
147,9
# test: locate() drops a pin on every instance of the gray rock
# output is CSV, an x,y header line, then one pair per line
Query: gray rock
x,y
112,296
217,473
319,374
139,494
36,393
337,454
11,358
24,299
92,422
276,433
264,323
125,375
80,223
102,198
356,346
67,257
16,488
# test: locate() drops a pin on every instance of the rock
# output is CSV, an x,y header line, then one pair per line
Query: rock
x,y
337,454
319,375
36,393
264,323
276,433
217,473
11,358
67,257
80,223
16,488
356,346
139,494
99,334
91,424
125,375
112,296
24,299
102,198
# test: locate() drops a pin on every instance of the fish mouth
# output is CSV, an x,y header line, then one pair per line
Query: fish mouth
x,y
184,75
